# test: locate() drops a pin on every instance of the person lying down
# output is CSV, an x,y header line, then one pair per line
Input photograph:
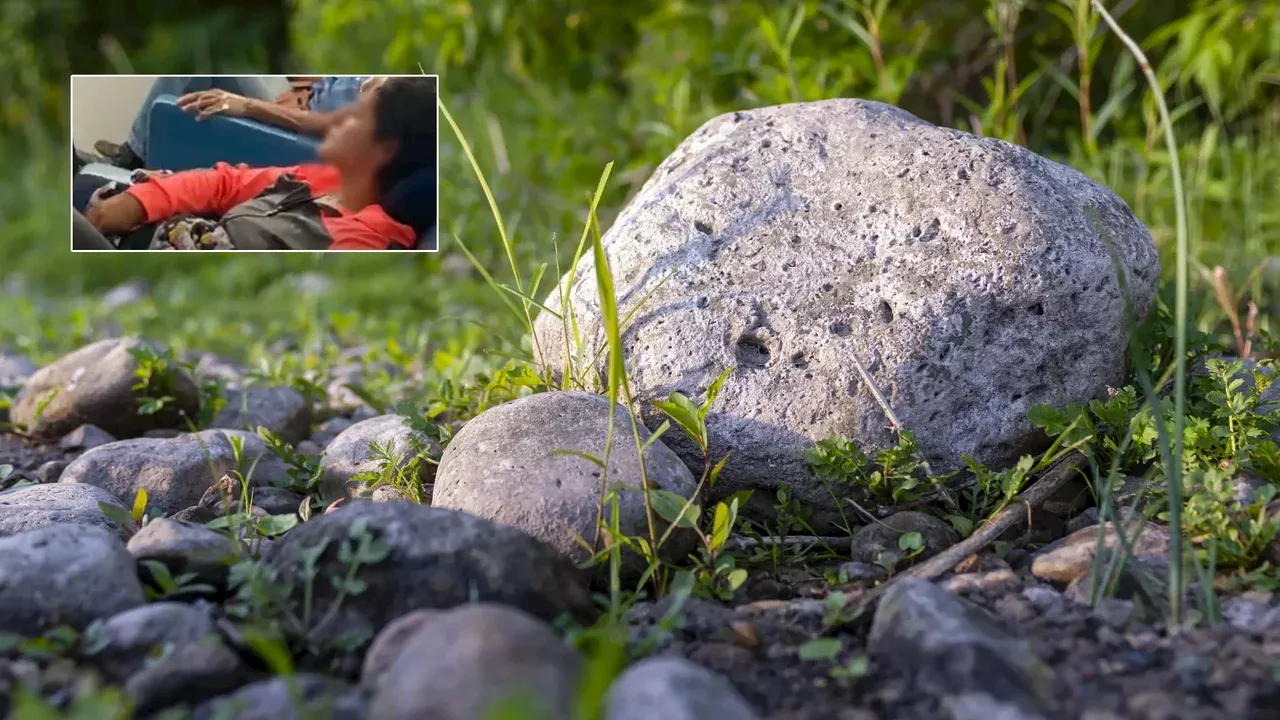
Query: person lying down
x,y
371,191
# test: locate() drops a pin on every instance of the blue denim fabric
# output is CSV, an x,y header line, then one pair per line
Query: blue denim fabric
x,y
331,93
246,86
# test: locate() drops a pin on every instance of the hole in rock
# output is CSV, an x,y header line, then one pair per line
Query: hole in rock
x,y
751,352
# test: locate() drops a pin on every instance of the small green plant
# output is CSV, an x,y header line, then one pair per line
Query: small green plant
x,y
164,585
156,373
304,470
391,468
893,476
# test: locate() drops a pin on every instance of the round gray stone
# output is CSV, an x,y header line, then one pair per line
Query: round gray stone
x,y
971,278
174,472
877,537
500,467
673,688
129,639
95,385
471,661
85,437
185,547
64,574
35,506
435,559
282,410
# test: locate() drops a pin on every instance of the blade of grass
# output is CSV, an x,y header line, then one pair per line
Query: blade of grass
x,y
1173,463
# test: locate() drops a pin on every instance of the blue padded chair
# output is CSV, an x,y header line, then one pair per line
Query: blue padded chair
x,y
413,202
177,141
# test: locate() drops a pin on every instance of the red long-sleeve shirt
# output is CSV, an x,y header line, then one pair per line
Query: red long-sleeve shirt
x,y
219,190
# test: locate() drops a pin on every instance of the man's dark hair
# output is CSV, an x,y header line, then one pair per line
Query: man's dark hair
x,y
405,113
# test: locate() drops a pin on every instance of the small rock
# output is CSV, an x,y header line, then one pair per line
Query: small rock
x,y
135,637
326,431
1087,518
320,696
390,642
64,574
877,537
349,454
276,501
197,515
673,688
282,410
185,548
125,293
175,473
50,472
35,506
85,437
95,384
1071,557
859,572
1250,615
191,673
1114,611
475,660
389,493
955,648
435,559
500,467
219,369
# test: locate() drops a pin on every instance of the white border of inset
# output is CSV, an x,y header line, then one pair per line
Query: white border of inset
x,y
71,183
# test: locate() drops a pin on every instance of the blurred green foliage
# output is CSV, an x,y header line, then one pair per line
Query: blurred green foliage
x,y
549,91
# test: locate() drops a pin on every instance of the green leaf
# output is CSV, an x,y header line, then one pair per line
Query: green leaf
x,y
721,525
578,453
274,525
911,541
115,513
682,410
715,472
670,505
963,525
820,649
736,578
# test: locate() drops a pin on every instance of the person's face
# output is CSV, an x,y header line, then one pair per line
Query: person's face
x,y
351,145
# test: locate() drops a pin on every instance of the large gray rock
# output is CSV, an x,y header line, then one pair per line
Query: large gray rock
x,y
389,643
955,649
349,454
500,467
435,559
673,688
971,278
35,506
175,472
191,673
282,410
95,385
64,574
471,661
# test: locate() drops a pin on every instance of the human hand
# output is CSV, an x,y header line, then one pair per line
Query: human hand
x,y
373,83
116,215
207,103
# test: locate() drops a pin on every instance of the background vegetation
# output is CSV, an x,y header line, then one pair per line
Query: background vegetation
x,y
549,91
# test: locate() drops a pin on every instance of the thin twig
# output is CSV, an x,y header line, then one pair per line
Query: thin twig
x,y
738,542
884,405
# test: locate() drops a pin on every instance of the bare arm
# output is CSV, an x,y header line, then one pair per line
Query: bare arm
x,y
295,119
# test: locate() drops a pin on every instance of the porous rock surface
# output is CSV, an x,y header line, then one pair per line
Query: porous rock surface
x,y
970,277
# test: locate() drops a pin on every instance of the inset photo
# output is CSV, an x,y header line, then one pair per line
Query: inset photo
x,y
263,163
